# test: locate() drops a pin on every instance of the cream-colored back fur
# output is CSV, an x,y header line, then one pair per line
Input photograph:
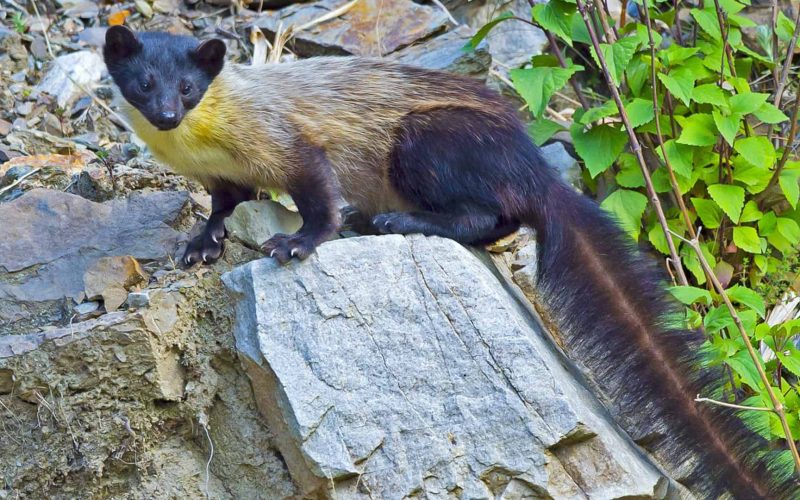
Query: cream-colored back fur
x,y
247,126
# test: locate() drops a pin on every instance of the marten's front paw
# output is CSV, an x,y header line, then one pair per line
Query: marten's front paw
x,y
283,247
205,248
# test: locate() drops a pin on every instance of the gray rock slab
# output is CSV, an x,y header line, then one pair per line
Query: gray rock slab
x,y
370,28
51,237
254,222
446,52
394,367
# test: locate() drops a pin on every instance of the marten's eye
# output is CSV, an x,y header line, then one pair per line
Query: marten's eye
x,y
186,88
146,84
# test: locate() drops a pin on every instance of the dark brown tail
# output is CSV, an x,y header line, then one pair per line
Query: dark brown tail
x,y
611,305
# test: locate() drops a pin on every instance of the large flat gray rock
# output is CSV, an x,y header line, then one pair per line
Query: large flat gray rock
x,y
370,28
394,367
51,237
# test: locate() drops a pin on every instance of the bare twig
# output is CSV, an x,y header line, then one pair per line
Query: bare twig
x,y
776,404
439,4
730,405
636,147
784,76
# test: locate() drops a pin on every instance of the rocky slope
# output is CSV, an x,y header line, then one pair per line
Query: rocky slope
x,y
383,367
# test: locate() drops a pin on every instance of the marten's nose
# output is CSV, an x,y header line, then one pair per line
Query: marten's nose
x,y
167,120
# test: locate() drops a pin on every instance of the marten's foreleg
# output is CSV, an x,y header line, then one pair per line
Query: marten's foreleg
x,y
313,191
455,166
207,247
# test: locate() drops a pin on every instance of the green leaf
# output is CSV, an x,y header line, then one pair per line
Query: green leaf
x,y
630,174
690,294
755,178
638,73
680,157
791,362
748,297
640,111
608,108
537,85
729,198
618,56
748,102
751,212
542,130
628,206
768,113
718,318
599,146
478,37
709,212
747,239
680,84
789,179
744,366
556,17
676,54
709,94
728,126
757,150
698,130
789,230
785,27
708,23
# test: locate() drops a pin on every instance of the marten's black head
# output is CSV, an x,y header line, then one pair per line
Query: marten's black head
x,y
162,75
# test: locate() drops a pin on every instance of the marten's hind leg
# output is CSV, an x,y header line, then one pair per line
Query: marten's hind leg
x,y
208,246
453,165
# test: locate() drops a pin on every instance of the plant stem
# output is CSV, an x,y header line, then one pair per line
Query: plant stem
x,y
635,145
776,404
730,405
784,76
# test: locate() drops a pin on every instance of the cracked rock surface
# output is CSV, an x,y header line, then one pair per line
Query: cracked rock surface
x,y
395,367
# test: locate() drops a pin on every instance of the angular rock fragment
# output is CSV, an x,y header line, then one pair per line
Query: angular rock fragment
x,y
70,72
446,52
110,279
394,367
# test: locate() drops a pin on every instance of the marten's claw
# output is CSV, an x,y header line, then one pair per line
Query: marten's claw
x,y
283,247
205,248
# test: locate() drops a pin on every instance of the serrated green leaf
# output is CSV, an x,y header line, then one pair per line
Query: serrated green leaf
x,y
537,85
680,157
599,146
748,297
556,17
708,23
618,55
638,73
608,108
755,178
757,150
747,239
628,206
680,84
640,111
709,94
718,318
542,130
744,366
676,54
478,37
689,295
748,102
728,126
789,180
751,212
708,211
790,361
630,174
729,198
698,130
768,113
789,230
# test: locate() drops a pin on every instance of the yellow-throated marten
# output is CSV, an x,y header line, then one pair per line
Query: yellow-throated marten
x,y
427,152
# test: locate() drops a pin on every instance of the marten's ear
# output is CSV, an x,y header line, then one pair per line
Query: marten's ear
x,y
210,56
121,42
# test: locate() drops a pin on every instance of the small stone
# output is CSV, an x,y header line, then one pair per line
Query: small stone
x,y
557,157
83,10
5,127
84,68
138,300
93,37
18,77
39,49
87,307
254,222
144,8
110,279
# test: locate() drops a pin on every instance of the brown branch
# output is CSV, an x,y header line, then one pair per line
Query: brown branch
x,y
635,145
776,404
784,76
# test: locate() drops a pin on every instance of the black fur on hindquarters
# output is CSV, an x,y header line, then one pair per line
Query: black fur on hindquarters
x,y
313,192
208,246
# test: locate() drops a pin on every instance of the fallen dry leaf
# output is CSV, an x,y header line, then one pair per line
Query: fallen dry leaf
x,y
118,18
75,161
